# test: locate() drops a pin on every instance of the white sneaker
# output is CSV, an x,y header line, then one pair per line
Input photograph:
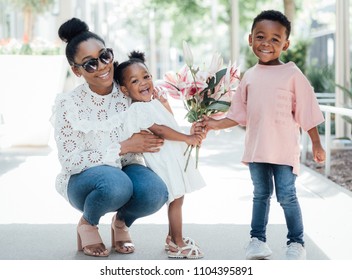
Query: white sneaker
x,y
257,250
296,251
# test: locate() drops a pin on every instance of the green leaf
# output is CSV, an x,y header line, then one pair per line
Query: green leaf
x,y
221,106
192,116
211,83
221,73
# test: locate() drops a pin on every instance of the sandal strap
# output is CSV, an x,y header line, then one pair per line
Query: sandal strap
x,y
193,251
121,233
89,235
186,240
127,244
189,240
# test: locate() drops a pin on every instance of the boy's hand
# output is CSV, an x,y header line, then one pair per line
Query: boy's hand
x,y
318,153
199,129
208,123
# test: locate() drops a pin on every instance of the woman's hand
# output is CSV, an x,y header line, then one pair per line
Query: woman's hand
x,y
143,142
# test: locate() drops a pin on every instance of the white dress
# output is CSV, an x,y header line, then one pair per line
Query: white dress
x,y
169,163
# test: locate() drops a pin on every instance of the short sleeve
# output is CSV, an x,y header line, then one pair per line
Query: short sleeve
x,y
238,108
139,116
306,109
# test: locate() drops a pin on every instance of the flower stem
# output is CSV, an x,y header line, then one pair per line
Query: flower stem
x,y
197,155
186,150
189,155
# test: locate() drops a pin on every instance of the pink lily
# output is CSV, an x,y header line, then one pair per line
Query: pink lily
x,y
171,89
234,75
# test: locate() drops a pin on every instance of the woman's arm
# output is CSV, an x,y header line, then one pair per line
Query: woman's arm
x,y
75,149
143,142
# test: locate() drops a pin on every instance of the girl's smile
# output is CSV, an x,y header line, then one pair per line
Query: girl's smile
x,y
138,83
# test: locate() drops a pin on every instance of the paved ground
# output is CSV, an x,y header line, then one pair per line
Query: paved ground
x,y
38,224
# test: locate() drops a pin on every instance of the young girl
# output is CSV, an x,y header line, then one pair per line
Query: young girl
x,y
156,116
273,100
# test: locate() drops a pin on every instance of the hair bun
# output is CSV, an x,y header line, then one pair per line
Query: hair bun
x,y
71,29
137,55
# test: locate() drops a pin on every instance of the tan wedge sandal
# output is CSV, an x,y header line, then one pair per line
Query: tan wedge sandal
x,y
120,238
88,235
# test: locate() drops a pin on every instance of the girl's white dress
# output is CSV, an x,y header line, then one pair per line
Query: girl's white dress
x,y
169,163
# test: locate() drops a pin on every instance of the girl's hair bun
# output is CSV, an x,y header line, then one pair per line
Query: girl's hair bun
x,y
137,55
71,29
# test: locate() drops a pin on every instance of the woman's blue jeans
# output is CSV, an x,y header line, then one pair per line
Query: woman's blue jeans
x,y
265,177
135,191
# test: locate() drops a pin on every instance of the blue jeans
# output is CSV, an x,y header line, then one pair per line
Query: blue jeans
x,y
264,175
135,191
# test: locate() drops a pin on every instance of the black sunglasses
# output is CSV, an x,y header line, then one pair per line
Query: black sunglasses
x,y
91,65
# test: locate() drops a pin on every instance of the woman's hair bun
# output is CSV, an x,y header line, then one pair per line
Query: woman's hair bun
x,y
137,55
71,29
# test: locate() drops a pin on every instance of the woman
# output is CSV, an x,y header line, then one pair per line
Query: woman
x,y
101,174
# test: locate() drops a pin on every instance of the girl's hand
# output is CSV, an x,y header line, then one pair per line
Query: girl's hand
x,y
161,94
143,142
194,140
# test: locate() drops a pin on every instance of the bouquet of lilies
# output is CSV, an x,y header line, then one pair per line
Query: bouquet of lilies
x,y
203,91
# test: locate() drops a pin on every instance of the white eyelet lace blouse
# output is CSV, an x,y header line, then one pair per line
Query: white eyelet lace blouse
x,y
87,132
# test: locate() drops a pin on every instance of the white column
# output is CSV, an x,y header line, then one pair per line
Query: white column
x,y
235,30
214,19
165,47
152,45
342,70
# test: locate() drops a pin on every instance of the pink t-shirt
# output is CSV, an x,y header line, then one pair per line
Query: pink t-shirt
x,y
273,102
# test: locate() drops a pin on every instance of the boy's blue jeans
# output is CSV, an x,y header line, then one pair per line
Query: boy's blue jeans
x,y
265,177
135,191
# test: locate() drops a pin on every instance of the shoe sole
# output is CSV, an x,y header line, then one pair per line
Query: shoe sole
x,y
266,257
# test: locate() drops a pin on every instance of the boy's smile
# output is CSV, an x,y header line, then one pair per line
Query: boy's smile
x,y
268,39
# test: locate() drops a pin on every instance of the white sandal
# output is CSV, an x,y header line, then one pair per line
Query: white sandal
x,y
186,240
192,251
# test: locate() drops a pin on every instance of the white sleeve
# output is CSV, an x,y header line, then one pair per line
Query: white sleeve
x,y
75,154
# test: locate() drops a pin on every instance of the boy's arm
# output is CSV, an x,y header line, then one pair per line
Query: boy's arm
x,y
318,151
168,133
224,123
